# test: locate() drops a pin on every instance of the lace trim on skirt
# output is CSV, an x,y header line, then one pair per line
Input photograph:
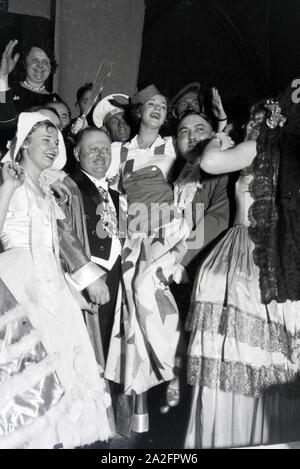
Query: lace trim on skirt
x,y
244,327
241,378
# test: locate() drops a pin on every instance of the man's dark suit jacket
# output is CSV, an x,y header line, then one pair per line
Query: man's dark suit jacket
x,y
101,248
213,194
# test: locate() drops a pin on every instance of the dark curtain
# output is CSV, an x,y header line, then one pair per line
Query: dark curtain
x,y
246,48
4,5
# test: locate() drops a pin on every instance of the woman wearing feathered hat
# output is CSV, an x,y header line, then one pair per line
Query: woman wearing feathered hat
x,y
245,312
50,389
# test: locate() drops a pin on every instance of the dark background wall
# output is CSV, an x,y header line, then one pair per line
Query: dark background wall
x,y
92,30
83,33
249,49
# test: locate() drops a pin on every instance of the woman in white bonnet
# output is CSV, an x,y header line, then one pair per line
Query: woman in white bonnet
x,y
50,387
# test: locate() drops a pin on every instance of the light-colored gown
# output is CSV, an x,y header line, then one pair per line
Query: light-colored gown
x,y
242,353
51,391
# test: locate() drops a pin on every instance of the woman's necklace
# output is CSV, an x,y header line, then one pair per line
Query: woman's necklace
x,y
33,87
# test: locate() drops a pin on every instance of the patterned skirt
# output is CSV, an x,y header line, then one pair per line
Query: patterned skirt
x,y
243,355
146,333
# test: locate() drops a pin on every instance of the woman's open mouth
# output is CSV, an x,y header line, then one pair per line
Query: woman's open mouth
x,y
51,155
40,74
155,115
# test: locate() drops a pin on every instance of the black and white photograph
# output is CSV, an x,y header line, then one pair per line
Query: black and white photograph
x,y
149,227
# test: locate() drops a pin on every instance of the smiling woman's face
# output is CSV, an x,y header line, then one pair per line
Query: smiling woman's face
x,y
154,111
42,147
38,66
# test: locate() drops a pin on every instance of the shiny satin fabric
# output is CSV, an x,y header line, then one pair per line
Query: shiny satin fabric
x,y
31,381
30,231
7,300
13,331
44,237
19,348
24,408
19,363
19,235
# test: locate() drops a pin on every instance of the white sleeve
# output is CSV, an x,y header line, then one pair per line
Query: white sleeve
x,y
4,84
85,276
170,148
114,168
113,172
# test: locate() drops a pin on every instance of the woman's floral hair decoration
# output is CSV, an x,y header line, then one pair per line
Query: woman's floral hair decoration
x,y
275,118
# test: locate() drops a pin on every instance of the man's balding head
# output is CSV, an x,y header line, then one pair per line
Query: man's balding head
x,y
93,152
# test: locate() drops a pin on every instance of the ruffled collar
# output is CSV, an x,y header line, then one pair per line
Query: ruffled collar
x,y
43,184
186,185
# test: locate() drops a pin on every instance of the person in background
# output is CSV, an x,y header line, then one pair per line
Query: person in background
x,y
257,115
37,63
80,122
82,96
112,115
63,111
190,98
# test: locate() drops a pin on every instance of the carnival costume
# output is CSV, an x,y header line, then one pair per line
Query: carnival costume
x,y
51,391
145,340
245,312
